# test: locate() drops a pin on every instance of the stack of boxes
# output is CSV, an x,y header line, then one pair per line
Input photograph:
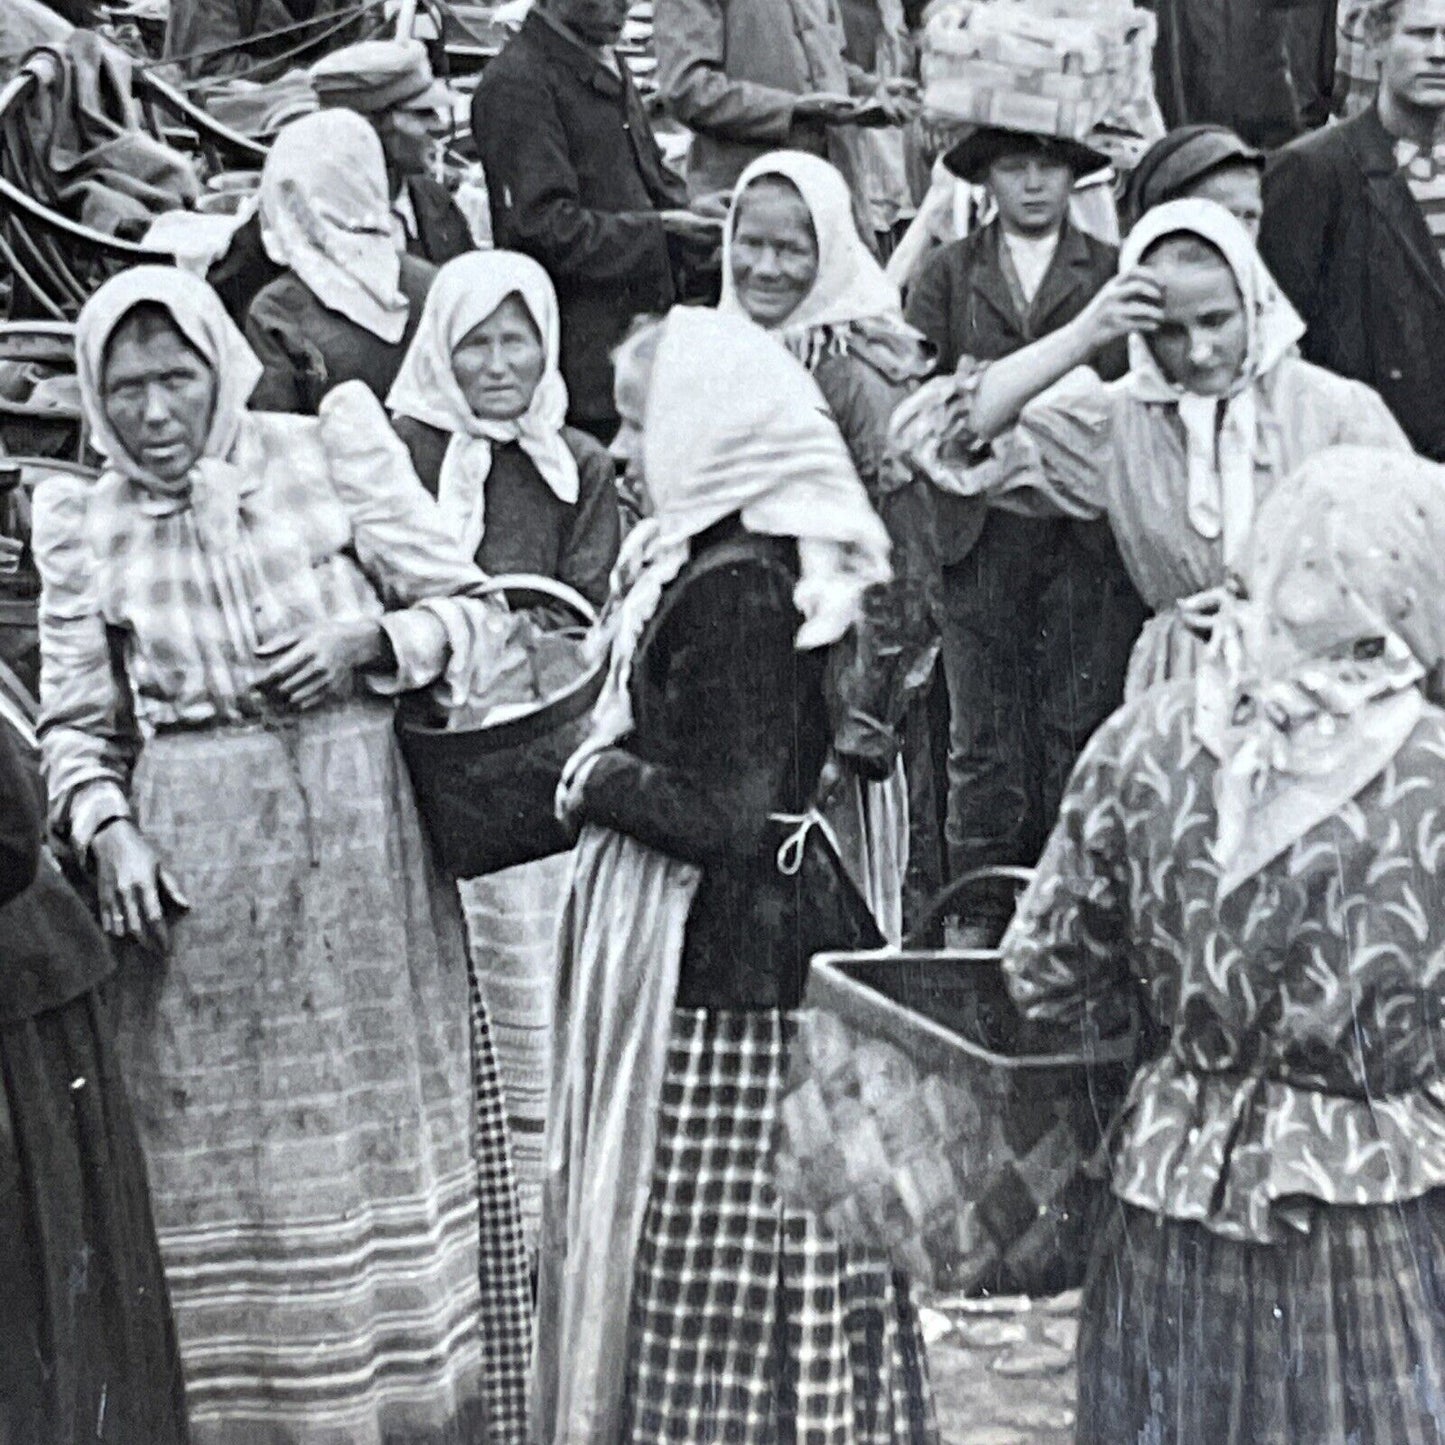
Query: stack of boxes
x,y
1049,67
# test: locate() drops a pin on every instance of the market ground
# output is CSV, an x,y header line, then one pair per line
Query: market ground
x,y
1003,1370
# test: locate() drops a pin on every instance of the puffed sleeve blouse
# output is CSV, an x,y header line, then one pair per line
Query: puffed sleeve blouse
x,y
1091,449
143,626
1303,1009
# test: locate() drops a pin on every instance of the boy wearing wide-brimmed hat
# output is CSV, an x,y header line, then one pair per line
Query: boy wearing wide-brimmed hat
x,y
1039,615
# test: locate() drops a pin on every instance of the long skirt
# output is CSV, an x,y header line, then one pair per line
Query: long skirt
x,y
314,1084
512,920
87,1348
1333,1337
749,1324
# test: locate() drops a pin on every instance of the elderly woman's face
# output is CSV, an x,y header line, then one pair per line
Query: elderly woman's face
x,y
159,395
500,361
634,377
774,252
1203,340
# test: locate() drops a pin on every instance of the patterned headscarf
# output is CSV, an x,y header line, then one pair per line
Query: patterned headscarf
x,y
326,214
1221,432
850,290
1314,681
467,291
736,426
211,486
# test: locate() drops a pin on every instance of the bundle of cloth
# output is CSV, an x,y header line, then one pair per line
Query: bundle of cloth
x,y
97,162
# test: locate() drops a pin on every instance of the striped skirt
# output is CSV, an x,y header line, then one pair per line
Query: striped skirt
x,y
1333,1337
313,1083
750,1325
512,919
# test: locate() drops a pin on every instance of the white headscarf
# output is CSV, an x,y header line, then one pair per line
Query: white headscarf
x,y
467,291
850,286
734,425
212,487
326,214
1221,448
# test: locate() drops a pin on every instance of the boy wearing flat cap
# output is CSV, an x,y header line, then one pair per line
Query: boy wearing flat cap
x,y
1039,616
391,83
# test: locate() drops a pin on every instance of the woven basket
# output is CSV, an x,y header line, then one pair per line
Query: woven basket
x,y
487,793
924,1119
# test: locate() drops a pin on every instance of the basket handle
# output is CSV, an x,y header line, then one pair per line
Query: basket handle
x,y
965,883
547,586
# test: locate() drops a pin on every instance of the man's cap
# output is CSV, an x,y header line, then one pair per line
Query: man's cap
x,y
379,75
1182,159
971,157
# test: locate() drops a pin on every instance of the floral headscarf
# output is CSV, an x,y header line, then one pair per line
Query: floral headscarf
x,y
326,214
1221,432
467,291
1350,551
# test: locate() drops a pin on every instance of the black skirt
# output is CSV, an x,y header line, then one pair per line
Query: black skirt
x,y
87,1347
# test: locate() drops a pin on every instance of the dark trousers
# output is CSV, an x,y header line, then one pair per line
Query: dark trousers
x,y
1039,622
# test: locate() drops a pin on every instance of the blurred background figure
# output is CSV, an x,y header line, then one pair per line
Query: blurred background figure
x,y
346,303
1209,162
390,82
1354,227
577,181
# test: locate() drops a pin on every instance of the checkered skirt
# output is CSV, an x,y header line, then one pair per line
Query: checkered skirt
x,y
1334,1336
749,1324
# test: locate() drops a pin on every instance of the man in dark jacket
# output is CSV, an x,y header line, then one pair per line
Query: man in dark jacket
x,y
1038,616
1354,225
576,181
390,82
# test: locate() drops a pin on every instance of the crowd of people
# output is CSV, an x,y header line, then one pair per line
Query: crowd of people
x,y
1111,550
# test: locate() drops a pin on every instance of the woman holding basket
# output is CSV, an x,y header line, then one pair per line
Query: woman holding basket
x,y
481,405
699,890
1256,854
226,614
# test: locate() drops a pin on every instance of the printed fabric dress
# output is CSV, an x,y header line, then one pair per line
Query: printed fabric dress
x,y
324,1133
1274,1266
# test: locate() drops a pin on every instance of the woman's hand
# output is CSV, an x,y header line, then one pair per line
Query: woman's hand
x,y
307,669
135,890
1130,302
11,551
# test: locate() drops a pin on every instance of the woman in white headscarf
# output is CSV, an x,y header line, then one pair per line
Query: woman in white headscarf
x,y
225,615
347,304
794,263
481,406
1255,853
1178,455
685,943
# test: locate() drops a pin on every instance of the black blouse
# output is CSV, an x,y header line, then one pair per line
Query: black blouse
x,y
529,529
731,725
51,950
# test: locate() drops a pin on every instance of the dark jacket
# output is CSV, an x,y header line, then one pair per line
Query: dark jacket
x,y
730,726
1348,244
51,950
963,303
528,529
244,269
575,179
890,658
442,233
306,348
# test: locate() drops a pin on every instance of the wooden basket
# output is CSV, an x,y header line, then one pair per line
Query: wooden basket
x,y
933,1125
486,794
